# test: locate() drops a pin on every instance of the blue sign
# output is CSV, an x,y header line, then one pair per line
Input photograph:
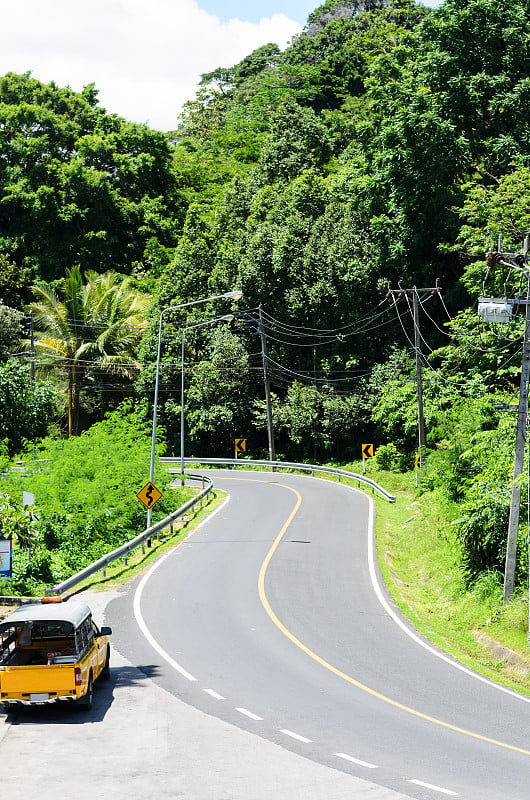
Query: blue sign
x,y
6,558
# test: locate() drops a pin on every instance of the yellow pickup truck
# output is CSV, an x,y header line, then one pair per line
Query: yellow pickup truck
x,y
50,652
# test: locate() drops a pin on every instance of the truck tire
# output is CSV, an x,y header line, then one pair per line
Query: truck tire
x,y
85,702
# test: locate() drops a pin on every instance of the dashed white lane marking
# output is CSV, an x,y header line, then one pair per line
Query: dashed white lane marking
x,y
435,788
357,761
215,695
249,714
295,736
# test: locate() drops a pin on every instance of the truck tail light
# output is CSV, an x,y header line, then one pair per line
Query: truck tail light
x,y
78,676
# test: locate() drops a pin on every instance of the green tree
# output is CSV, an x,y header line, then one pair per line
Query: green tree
x,y
298,140
27,408
96,323
10,330
78,184
444,110
318,422
219,393
12,283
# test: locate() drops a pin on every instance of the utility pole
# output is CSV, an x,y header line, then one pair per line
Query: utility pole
x,y
419,382
518,262
401,292
29,327
520,441
264,358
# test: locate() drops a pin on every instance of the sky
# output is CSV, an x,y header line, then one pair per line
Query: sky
x,y
144,56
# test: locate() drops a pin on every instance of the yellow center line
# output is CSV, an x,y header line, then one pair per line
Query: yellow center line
x,y
330,667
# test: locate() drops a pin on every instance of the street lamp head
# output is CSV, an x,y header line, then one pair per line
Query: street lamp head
x,y
227,318
235,295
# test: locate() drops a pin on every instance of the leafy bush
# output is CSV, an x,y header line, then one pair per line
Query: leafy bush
x,y
85,503
388,457
26,408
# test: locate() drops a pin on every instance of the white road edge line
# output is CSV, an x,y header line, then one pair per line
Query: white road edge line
x,y
214,694
141,622
249,714
399,622
357,761
435,788
295,736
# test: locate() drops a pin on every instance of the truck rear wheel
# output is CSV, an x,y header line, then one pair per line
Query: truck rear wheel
x,y
85,702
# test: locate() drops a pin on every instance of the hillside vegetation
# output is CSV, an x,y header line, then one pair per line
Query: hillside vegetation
x,y
386,147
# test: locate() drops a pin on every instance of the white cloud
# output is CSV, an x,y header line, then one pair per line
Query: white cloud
x,y
145,56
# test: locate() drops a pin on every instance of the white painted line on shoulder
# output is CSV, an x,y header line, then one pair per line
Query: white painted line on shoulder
x,y
138,601
249,714
215,695
434,788
357,761
405,628
145,630
295,736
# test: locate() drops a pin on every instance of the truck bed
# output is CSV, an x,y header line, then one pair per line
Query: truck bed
x,y
26,682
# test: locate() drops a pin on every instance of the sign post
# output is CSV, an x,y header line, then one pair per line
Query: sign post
x,y
240,446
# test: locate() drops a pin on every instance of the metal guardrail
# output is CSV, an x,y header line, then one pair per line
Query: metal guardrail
x,y
140,540
375,487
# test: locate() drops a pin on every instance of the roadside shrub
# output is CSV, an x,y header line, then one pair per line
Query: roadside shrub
x,y
85,497
389,458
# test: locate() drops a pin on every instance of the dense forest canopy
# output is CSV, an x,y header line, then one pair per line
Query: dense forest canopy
x,y
387,144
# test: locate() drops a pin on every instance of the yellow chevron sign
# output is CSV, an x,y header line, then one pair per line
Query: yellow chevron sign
x,y
367,450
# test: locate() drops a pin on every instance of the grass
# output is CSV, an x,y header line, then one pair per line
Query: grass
x,y
421,563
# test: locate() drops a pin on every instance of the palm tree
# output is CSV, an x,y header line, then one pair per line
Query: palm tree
x,y
96,322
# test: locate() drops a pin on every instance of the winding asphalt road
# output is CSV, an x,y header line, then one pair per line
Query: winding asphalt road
x,y
271,618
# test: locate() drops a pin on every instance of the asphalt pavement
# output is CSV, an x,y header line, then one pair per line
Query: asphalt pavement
x,y
140,742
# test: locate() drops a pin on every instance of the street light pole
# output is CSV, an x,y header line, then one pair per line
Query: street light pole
x,y
233,295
